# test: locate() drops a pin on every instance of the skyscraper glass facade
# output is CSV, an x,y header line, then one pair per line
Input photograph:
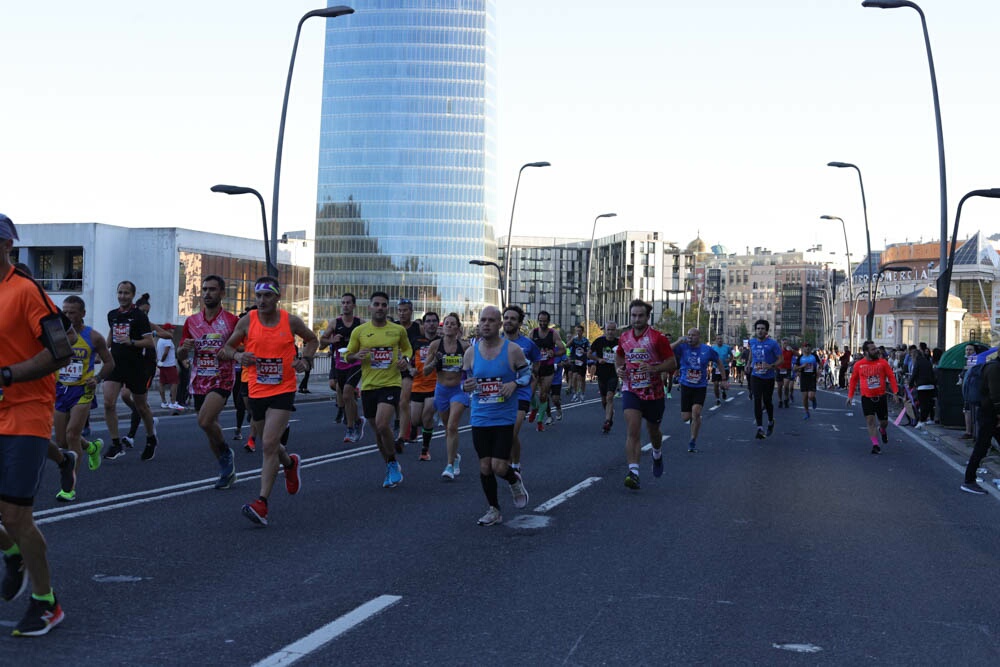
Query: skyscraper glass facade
x,y
407,192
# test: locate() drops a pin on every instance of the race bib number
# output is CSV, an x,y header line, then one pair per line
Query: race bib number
x,y
451,363
269,371
578,352
640,380
578,362
422,353
637,354
873,381
381,358
609,356
545,355
120,332
759,367
808,368
72,373
693,376
488,390
205,359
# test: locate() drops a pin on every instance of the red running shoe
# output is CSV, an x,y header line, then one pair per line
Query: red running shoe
x,y
292,483
251,445
532,415
256,512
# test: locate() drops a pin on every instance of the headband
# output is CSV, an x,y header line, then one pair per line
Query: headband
x,y
266,287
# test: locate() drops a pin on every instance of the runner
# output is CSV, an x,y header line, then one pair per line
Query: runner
x,y
578,351
739,361
495,368
720,374
783,372
337,335
807,366
75,389
695,357
405,431
212,378
603,353
643,355
424,383
382,347
550,344
513,317
130,334
268,337
764,359
873,374
450,400
562,364
668,378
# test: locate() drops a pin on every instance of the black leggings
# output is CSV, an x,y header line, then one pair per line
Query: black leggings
x,y
763,398
926,398
240,401
986,432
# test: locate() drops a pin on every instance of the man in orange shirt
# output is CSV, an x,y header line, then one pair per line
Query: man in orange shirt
x,y
872,373
35,345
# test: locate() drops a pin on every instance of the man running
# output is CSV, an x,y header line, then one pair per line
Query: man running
x,y
450,400
383,349
764,359
337,335
643,355
739,360
75,388
495,368
873,374
404,426
603,353
424,383
268,338
212,379
578,351
807,366
130,334
720,373
513,317
695,357
550,344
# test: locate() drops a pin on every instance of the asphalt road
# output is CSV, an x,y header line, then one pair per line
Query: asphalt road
x,y
800,549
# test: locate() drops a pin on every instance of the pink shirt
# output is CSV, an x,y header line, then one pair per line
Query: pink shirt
x,y
651,347
207,372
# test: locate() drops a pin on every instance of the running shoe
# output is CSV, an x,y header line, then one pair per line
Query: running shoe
x,y
668,395
359,427
14,581
256,512
814,403
393,474
519,492
351,435
807,416
718,402
238,435
632,480
724,397
227,470
539,426
770,429
164,406
251,445
400,445
449,472
607,426
94,454
876,449
692,447
491,517
66,496
292,481
457,465
559,414
67,471
425,455
760,433
41,617
175,406
532,415
339,419
549,421
885,436
127,441
968,487
114,452
658,466
149,451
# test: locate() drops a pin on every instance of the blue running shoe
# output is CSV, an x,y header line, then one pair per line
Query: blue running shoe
x,y
658,466
807,416
692,447
395,473
227,470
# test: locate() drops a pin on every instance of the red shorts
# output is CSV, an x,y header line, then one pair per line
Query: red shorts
x,y
168,375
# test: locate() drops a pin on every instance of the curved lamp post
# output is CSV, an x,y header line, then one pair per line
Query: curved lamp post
x,y
850,275
870,316
510,227
942,293
486,262
327,12
272,267
590,260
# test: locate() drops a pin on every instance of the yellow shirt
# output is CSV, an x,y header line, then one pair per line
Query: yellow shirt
x,y
387,344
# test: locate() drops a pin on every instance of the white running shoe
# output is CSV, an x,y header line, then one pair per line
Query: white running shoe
x,y
491,517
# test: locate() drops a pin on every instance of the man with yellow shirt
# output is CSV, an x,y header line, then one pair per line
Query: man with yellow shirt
x,y
383,348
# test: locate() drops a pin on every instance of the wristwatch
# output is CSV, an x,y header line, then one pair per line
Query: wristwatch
x,y
6,376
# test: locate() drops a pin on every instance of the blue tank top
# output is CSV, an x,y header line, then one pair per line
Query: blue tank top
x,y
489,408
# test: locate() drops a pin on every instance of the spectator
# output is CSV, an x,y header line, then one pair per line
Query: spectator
x,y
845,362
166,361
923,380
988,426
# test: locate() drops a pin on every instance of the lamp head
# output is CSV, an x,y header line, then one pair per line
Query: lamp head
x,y
232,189
538,164
828,217
330,12
608,215
839,165
886,4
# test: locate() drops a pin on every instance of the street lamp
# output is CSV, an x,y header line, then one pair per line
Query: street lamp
x,y
510,227
485,262
850,276
590,261
326,12
870,317
272,268
942,293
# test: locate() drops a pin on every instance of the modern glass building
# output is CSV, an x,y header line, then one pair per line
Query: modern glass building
x,y
407,192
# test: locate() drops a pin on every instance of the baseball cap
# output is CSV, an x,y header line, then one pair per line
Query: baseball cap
x,y
168,325
403,302
7,228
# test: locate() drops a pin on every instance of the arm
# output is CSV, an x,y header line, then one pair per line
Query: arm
x,y
327,337
432,357
187,343
38,366
517,360
850,384
239,334
107,361
470,381
891,376
166,352
560,347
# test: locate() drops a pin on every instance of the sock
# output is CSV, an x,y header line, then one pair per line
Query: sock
x,y
534,402
284,436
391,459
134,423
48,597
262,499
489,483
515,466
543,409
633,467
657,453
511,476
116,442
13,551
427,433
150,439
874,440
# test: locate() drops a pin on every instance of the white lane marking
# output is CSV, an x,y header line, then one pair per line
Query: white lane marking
x,y
566,495
648,446
529,521
319,638
714,408
834,427
798,648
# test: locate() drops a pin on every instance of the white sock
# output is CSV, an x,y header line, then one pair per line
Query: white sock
x,y
657,453
633,467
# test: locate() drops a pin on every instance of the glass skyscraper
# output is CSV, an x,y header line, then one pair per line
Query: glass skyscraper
x,y
407,192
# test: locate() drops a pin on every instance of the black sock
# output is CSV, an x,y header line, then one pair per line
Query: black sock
x,y
511,476
134,424
489,483
116,442
262,499
427,433
284,436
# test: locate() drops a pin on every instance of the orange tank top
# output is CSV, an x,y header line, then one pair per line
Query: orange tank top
x,y
274,349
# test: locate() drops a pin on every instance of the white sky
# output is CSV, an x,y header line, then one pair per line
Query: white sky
x,y
710,115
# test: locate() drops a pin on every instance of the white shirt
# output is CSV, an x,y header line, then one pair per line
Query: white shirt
x,y
165,345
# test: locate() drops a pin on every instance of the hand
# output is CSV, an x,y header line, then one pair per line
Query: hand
x,y
508,389
188,344
468,385
91,382
247,359
300,365
336,339
402,364
849,402
620,371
